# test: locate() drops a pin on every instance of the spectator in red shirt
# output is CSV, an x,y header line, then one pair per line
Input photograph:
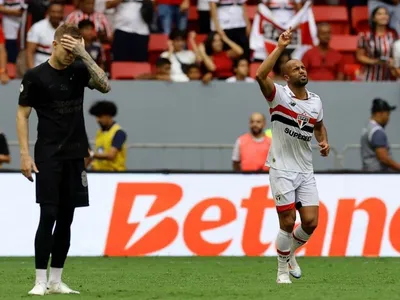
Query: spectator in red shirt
x,y
173,12
215,59
3,59
100,21
323,62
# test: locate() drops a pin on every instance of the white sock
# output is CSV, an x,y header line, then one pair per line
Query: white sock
x,y
300,237
41,275
283,242
55,274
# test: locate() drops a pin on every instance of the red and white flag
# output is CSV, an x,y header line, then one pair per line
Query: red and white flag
x,y
266,31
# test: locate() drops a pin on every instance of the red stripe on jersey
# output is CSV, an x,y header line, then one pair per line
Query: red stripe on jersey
x,y
44,46
290,113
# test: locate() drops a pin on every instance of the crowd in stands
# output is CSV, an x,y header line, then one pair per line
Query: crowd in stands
x,y
182,40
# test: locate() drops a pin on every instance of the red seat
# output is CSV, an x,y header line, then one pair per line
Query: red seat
x,y
128,70
336,16
158,43
11,70
251,11
193,14
346,45
359,18
351,71
68,8
253,69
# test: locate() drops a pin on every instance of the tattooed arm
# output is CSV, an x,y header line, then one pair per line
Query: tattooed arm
x,y
98,80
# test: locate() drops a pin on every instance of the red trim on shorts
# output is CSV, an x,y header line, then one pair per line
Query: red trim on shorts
x,y
286,207
283,253
299,240
271,98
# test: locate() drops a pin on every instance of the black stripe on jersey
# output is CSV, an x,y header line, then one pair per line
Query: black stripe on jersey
x,y
286,121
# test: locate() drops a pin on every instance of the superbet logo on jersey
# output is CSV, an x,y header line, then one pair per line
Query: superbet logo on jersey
x,y
149,217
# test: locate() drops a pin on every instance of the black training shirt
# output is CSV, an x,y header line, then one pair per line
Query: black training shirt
x,y
57,97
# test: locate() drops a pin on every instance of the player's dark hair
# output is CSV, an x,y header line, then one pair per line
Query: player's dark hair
x,y
278,65
103,108
69,29
176,33
162,62
85,23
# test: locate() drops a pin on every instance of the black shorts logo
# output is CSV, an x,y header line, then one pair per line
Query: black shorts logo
x,y
84,179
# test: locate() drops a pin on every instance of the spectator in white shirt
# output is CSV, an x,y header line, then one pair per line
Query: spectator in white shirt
x,y
132,32
396,59
41,36
231,17
12,10
179,57
241,70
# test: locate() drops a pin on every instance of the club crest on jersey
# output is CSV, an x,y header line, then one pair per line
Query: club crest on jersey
x,y
302,120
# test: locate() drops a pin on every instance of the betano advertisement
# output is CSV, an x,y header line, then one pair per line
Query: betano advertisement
x,y
207,214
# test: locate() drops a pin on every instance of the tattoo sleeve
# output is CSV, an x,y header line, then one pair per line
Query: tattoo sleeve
x,y
98,80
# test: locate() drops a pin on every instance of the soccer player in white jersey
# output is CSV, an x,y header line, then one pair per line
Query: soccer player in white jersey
x,y
296,114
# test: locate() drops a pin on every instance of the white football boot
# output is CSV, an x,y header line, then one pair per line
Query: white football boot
x,y
59,288
294,268
283,278
39,289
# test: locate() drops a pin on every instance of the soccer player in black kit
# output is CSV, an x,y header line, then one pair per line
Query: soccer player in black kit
x,y
55,90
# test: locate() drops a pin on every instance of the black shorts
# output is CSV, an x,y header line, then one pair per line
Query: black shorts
x,y
62,182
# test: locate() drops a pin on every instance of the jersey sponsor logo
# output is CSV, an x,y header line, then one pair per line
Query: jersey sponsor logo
x,y
298,135
302,120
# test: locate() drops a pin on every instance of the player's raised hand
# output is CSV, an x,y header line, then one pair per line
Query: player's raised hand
x,y
285,38
324,148
27,166
77,47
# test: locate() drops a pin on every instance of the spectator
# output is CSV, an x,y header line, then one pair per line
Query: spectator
x,y
132,32
203,11
12,12
94,48
230,16
41,36
172,12
215,59
38,9
241,70
163,71
3,60
178,56
110,149
251,149
322,62
375,149
375,48
193,72
278,68
5,157
393,9
396,59
100,21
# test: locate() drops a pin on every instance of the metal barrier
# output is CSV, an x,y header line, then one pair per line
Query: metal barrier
x,y
339,157
336,154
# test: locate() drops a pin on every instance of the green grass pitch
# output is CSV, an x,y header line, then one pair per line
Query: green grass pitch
x,y
219,278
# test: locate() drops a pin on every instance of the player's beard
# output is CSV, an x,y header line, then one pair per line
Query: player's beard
x,y
301,83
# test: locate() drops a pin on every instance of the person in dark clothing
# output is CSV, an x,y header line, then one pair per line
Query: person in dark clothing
x,y
4,151
55,89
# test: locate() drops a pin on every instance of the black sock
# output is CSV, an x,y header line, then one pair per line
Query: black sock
x,y
44,235
62,237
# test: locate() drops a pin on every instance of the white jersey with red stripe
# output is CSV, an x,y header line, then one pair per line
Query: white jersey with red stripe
x,y
293,123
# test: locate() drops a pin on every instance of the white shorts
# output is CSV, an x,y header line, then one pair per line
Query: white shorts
x,y
293,190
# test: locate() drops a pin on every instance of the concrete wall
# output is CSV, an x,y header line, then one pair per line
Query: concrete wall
x,y
193,113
